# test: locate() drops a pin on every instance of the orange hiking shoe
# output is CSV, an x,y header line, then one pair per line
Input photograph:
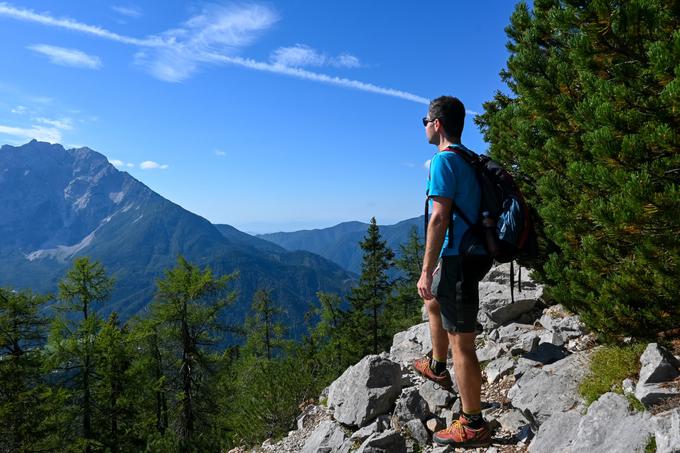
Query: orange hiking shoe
x,y
422,366
461,435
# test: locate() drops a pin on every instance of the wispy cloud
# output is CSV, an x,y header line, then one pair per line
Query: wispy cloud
x,y
62,124
117,163
220,153
44,134
19,110
134,12
151,165
213,36
67,57
301,55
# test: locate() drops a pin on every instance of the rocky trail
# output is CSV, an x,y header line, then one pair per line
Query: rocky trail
x,y
533,357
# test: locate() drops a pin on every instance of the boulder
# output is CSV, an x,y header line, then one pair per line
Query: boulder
x,y
411,344
552,388
491,350
548,336
509,312
435,396
651,394
327,437
609,426
409,406
657,365
667,431
365,391
512,332
527,342
388,441
417,431
557,319
513,421
498,368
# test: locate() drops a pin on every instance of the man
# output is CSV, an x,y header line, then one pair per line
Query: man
x,y
452,299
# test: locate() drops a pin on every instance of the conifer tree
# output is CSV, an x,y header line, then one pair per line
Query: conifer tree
x,y
187,311
405,305
591,129
369,298
73,348
23,406
265,332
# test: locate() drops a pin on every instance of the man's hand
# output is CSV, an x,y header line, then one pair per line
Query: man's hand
x,y
425,286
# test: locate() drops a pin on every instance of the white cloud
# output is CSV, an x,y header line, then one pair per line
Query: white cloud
x,y
210,37
67,57
130,165
133,11
220,153
62,124
43,134
117,163
151,165
19,110
301,55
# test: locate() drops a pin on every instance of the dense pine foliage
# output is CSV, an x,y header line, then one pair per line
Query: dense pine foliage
x,y
165,381
591,129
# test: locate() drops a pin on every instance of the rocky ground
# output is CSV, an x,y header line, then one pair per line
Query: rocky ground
x,y
533,359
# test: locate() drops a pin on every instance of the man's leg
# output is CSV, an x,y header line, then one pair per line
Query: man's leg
x,y
467,371
440,341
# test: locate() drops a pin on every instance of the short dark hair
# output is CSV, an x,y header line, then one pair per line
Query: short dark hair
x,y
451,113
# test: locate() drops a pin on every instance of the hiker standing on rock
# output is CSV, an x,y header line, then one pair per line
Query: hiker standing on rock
x,y
449,281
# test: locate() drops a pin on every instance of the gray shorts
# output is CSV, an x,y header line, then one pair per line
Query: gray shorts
x,y
456,287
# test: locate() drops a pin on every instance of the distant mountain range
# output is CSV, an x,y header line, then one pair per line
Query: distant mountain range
x,y
58,204
340,243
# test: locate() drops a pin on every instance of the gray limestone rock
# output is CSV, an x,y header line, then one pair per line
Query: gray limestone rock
x,y
546,353
490,351
411,344
556,434
609,426
628,386
556,319
365,391
527,342
512,332
417,431
364,433
327,437
409,406
667,431
498,368
512,311
657,365
551,389
388,441
651,394
435,396
548,336
513,421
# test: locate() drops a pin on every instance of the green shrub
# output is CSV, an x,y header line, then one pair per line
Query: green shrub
x,y
610,365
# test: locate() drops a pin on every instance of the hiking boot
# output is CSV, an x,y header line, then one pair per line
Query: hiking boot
x,y
422,366
461,435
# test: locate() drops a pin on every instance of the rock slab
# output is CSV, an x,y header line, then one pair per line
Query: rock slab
x,y
365,391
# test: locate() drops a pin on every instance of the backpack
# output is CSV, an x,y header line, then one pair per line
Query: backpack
x,y
505,229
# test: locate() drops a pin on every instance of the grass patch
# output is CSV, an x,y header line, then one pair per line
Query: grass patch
x,y
610,365
651,445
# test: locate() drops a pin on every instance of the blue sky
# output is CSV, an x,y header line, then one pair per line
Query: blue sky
x,y
272,116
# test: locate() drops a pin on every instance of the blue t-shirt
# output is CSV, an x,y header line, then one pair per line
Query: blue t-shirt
x,y
452,177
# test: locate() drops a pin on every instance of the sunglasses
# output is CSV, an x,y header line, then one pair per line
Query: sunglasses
x,y
426,120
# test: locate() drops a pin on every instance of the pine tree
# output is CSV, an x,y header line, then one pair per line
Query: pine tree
x,y
187,312
265,332
369,298
23,405
405,305
591,129
72,344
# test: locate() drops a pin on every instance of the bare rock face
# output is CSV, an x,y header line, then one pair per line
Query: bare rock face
x,y
667,431
365,391
410,345
328,436
609,426
551,389
658,367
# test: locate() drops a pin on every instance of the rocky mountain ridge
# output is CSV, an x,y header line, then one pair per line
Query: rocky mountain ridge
x,y
533,358
57,204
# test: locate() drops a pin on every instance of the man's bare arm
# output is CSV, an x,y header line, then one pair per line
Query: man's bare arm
x,y
436,232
